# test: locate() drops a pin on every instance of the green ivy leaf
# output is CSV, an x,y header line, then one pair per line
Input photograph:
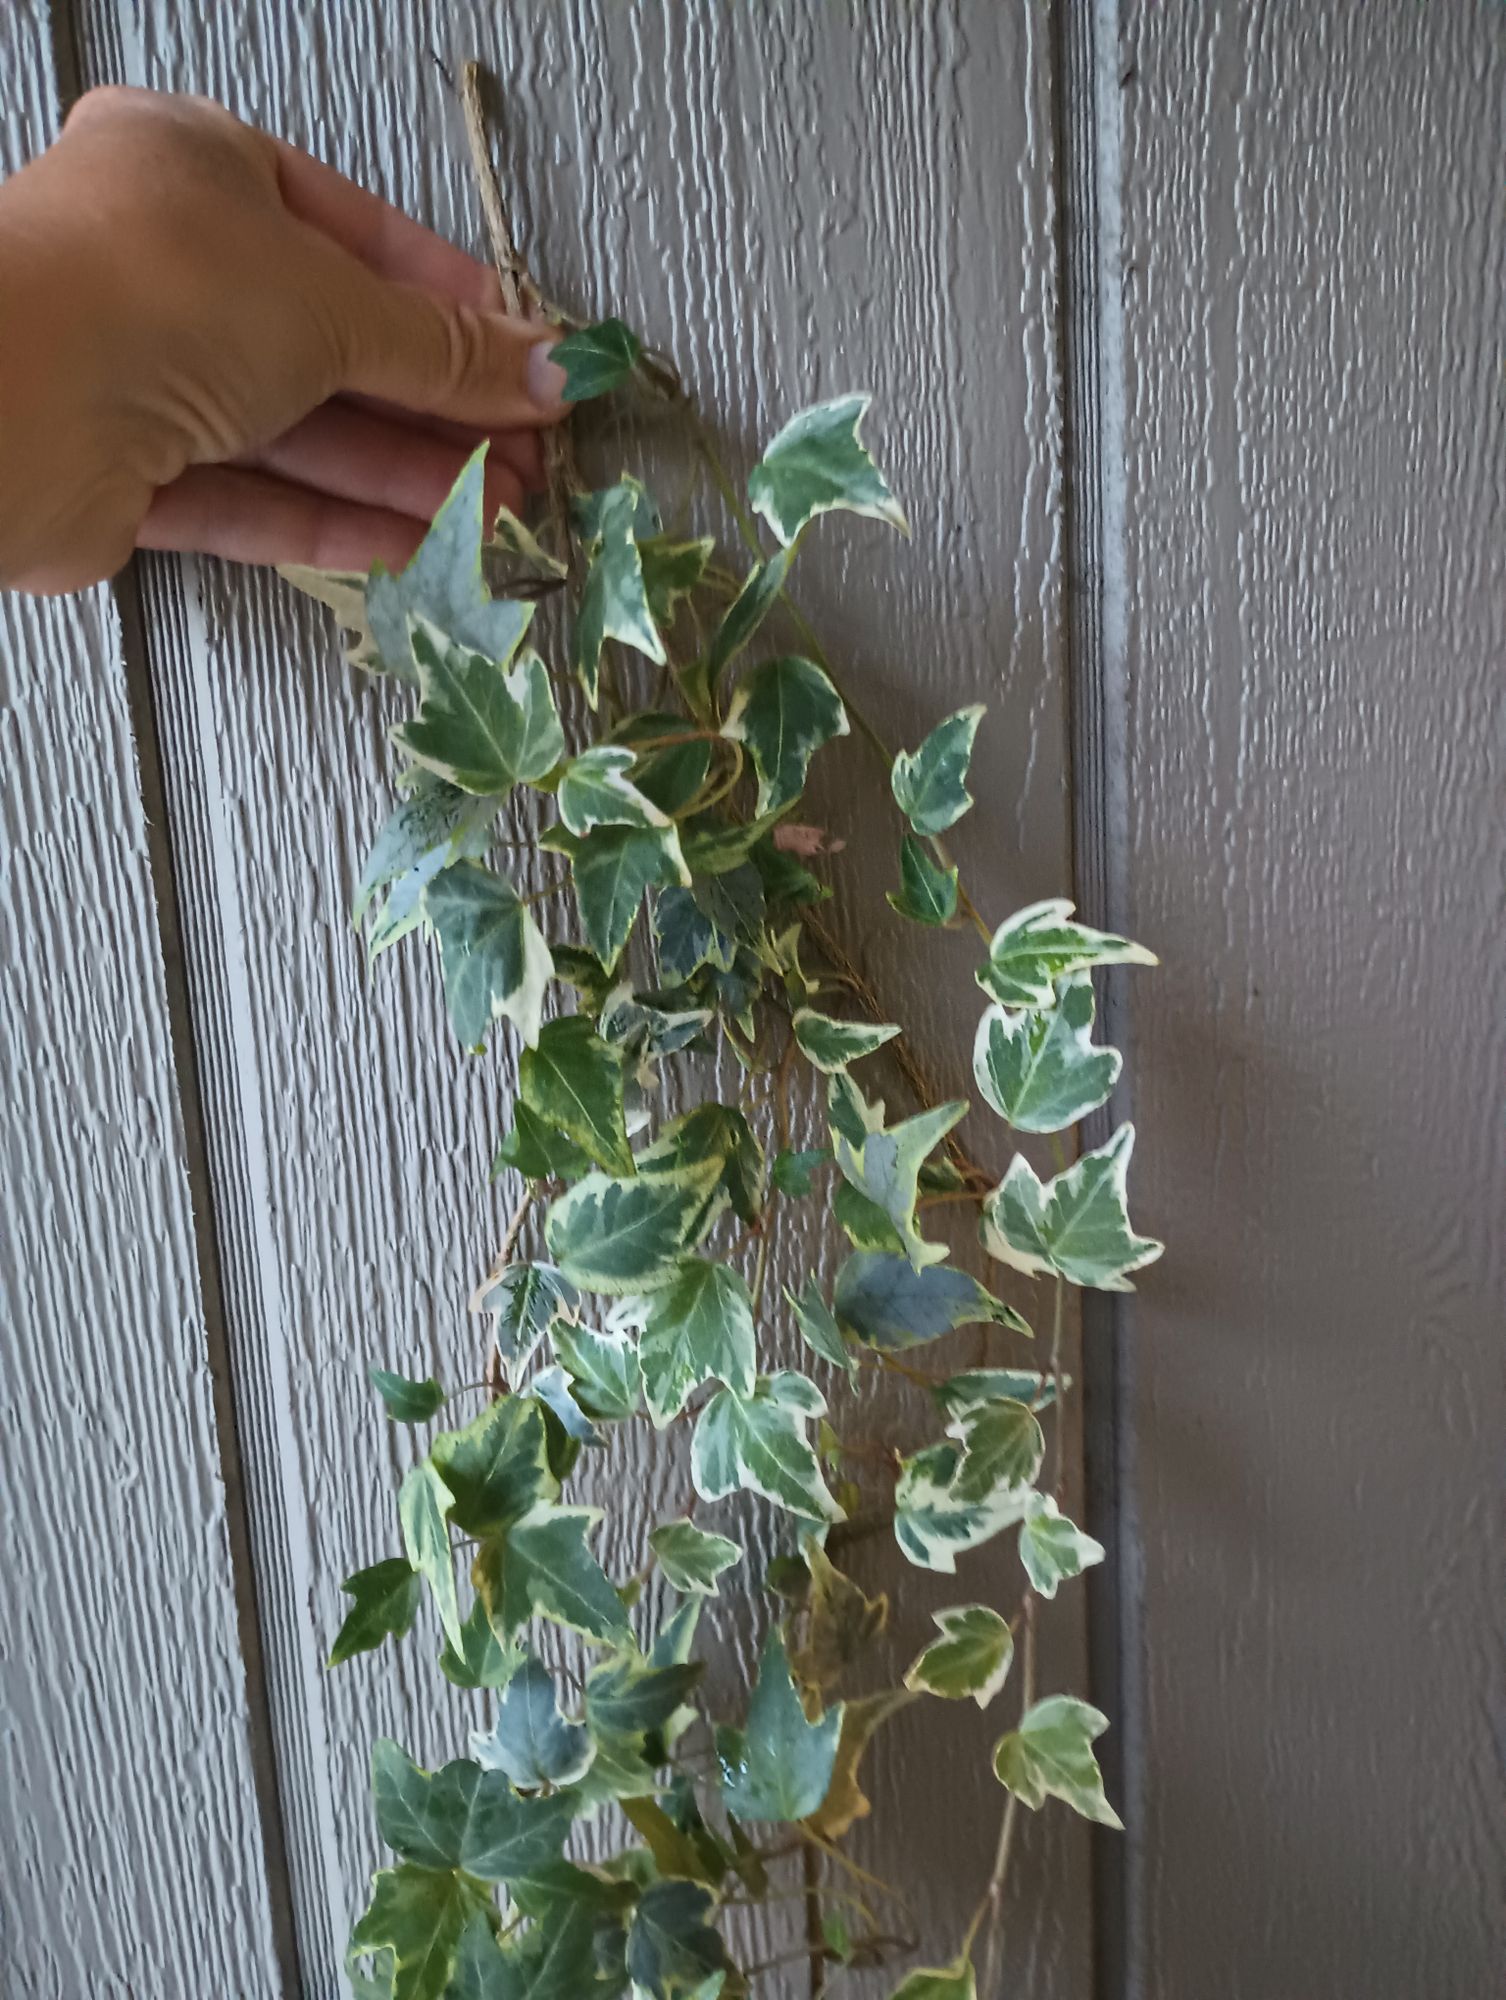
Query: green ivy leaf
x,y
886,1168
934,1523
422,1503
463,1817
1037,946
831,1045
574,1081
385,1606
443,587
780,1766
783,711
435,825
554,1389
495,1470
530,1742
614,603
1052,1548
629,1697
1052,1753
1076,1224
553,1959
930,784
483,1969
407,1401
671,572
818,1327
496,963
484,1659
700,1327
744,615
604,1368
1040,1071
481,725
927,891
886,1303
672,1950
612,867
596,791
949,1982
759,1441
538,1150
1003,1446
542,1567
523,1300
596,359
976,1386
867,1227
817,464
418,1914
716,1132
685,938
971,1657
692,1558
618,1236
795,1173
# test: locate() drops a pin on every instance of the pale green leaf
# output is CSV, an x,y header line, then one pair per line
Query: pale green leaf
x,y
949,1982
618,1236
1040,1071
435,825
385,1603
596,359
700,1328
819,1328
555,1390
418,1914
1037,946
831,1045
614,603
523,1301
1076,1224
542,1566
783,711
671,572
1052,1753
934,1523
885,1302
484,1659
407,1401
927,892
596,791
603,1366
530,1742
971,1657
1052,1548
422,1504
930,784
342,591
779,1767
886,1169
760,1441
692,1558
496,963
482,726
817,464
538,1150
574,1081
1003,1445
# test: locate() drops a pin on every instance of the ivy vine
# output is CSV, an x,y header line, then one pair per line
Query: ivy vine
x,y
681,932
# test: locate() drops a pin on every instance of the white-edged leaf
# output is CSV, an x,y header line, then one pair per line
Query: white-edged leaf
x,y
818,1326
934,1524
760,1441
530,1742
523,1300
1041,1071
928,893
1003,1445
482,726
542,1566
816,464
596,359
614,603
692,1558
618,1236
434,825
886,1169
831,1045
930,784
1076,1224
971,1657
1052,1548
574,1081
422,1505
596,791
1051,1753
611,868
699,1328
602,1364
783,711
882,1300
1037,946
496,962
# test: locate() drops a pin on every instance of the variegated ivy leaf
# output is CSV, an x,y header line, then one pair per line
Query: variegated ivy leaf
x,y
1040,1071
538,1150
849,1113
435,825
839,1622
603,1367
1076,1224
760,1441
384,1605
685,938
1052,1548
465,1818
617,1236
496,1469
885,1168
596,359
1003,1446
971,1657
783,711
523,1300
1052,1753
656,1024
817,464
717,1132
612,867
443,586
934,1523
818,1327
496,963
779,1767
481,725
831,1045
342,591
484,1659
883,1301
514,538
596,791
671,572
416,1919
614,603
692,1558
948,1982
554,1389
976,1386
422,1503
531,1743
1037,946
867,1227
542,1566
573,1080
927,891
700,1328
629,1696
673,1952
794,1174
930,784
744,615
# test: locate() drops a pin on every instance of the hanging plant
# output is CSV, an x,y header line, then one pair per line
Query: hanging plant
x,y
680,938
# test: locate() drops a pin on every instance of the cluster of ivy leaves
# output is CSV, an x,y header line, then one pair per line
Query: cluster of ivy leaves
x,y
675,928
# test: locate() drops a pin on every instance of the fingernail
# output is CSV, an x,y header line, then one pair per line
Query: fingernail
x,y
546,379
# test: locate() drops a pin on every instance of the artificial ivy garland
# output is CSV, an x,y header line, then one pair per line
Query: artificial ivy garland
x,y
685,923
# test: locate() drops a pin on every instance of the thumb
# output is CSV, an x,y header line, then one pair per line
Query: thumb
x,y
439,358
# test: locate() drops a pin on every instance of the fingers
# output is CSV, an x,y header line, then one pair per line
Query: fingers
x,y
254,517
350,454
522,450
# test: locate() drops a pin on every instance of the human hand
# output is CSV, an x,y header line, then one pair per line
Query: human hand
x,y
210,341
